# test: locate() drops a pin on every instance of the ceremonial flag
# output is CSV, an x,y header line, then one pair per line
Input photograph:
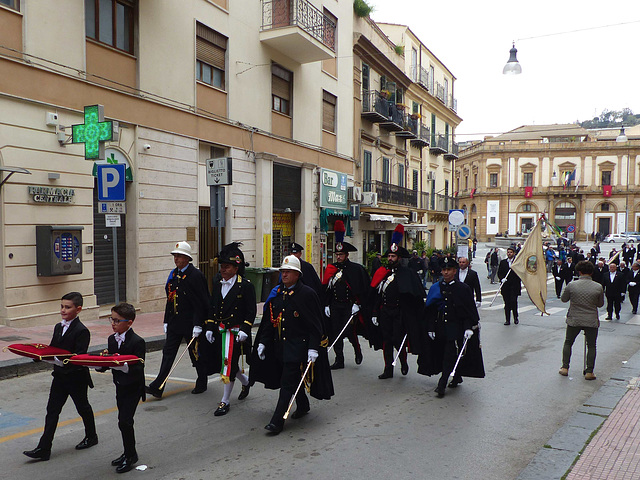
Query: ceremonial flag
x,y
529,264
568,178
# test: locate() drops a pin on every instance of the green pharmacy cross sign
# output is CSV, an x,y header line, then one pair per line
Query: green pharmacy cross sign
x,y
94,132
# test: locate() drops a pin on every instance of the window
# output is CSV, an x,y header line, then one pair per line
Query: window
x,y
414,64
281,81
211,48
526,207
415,180
110,22
604,207
400,175
527,179
432,74
493,180
466,182
606,178
385,170
329,111
14,4
366,172
475,180
433,129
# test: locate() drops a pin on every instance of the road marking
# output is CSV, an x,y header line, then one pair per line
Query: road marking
x,y
635,320
553,310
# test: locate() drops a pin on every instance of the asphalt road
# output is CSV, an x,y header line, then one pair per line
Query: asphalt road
x,y
486,429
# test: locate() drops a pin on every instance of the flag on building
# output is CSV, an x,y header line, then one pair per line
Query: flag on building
x,y
530,266
606,190
568,178
528,192
473,192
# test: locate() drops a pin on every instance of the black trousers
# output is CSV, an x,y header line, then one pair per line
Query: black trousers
x,y
340,313
559,284
169,353
127,399
291,376
633,298
393,333
449,361
63,387
614,303
510,305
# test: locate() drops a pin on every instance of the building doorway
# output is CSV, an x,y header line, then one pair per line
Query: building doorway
x,y
604,226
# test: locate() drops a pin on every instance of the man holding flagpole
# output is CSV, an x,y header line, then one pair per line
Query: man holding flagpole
x,y
510,287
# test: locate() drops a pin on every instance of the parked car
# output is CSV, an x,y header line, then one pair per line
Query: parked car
x,y
621,238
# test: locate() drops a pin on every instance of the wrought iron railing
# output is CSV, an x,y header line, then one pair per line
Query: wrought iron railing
x,y
373,101
410,123
423,200
454,148
424,133
393,194
453,103
424,78
439,141
300,13
440,93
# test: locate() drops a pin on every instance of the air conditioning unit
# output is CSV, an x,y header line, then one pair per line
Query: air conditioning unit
x,y
356,194
355,212
430,176
414,217
369,199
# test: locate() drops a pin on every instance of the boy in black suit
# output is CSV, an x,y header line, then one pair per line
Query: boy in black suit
x,y
68,380
128,379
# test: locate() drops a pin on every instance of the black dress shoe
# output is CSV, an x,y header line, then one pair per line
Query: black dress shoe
x,y
38,454
222,409
273,428
337,365
358,358
127,464
299,413
634,312
87,443
386,374
439,391
516,321
507,322
154,392
404,369
118,461
455,382
198,390
244,393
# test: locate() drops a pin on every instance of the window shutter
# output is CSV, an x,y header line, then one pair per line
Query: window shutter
x,y
280,88
328,111
210,46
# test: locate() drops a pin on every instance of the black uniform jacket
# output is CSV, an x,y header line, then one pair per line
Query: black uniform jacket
x,y
76,340
310,277
187,300
407,292
288,337
633,289
615,288
513,285
461,315
237,309
133,344
559,272
473,282
569,271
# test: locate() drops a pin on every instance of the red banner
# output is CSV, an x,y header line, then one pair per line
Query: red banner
x,y
606,190
473,192
528,192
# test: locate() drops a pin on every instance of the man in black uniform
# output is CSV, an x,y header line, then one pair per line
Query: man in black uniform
x,y
569,270
633,283
309,276
232,313
469,277
68,380
614,285
451,318
510,287
347,287
559,273
184,316
290,336
398,301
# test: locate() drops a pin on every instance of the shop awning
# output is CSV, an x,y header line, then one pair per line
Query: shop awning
x,y
377,217
345,214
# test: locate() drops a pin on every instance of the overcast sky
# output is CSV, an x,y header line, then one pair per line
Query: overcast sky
x,y
568,77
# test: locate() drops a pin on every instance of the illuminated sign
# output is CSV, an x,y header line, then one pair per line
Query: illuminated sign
x,y
94,132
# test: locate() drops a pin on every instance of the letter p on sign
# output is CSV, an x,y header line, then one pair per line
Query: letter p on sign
x,y
111,183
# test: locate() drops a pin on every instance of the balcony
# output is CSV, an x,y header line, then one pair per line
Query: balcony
x,y
298,30
422,140
395,122
393,194
452,154
453,103
440,93
375,107
441,203
423,79
438,144
409,127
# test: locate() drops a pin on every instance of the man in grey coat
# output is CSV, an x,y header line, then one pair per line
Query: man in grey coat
x,y
585,296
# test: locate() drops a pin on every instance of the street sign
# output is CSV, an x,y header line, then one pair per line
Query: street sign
x,y
112,207
219,171
111,182
464,232
112,221
571,228
456,217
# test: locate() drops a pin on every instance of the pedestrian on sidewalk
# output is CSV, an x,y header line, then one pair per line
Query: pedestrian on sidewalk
x,y
68,380
585,297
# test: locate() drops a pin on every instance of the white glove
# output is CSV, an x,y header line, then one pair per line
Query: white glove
x,y
209,335
432,335
312,355
558,278
197,330
478,304
242,336
355,309
124,368
374,320
632,284
327,311
503,280
165,327
56,361
622,295
261,351
468,334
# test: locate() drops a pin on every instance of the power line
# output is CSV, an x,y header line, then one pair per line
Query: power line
x,y
578,30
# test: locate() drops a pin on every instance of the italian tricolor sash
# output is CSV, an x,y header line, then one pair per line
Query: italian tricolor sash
x,y
228,337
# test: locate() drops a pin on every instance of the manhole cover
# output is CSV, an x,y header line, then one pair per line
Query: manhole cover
x,y
12,338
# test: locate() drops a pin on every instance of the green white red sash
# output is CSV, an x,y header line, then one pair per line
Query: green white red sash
x,y
227,337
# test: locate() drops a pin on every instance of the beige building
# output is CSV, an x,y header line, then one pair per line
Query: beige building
x,y
585,181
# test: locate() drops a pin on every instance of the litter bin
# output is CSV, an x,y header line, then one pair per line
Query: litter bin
x,y
255,276
270,279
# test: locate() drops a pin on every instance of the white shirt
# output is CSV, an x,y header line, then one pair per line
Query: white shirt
x,y
612,275
462,274
227,284
120,337
65,325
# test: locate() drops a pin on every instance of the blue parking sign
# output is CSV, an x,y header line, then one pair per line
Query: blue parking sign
x,y
111,182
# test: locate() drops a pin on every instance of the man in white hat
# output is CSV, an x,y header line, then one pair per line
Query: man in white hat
x,y
290,336
185,313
